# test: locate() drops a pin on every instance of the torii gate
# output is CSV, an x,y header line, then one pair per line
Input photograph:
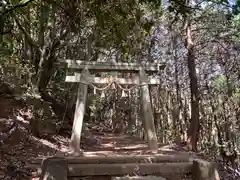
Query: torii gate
x,y
86,78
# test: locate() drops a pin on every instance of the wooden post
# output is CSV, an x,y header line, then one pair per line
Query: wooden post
x,y
146,109
139,178
204,170
79,112
54,168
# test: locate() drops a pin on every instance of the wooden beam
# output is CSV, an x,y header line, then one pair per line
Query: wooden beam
x,y
111,66
204,170
128,169
101,80
122,159
162,169
138,178
54,168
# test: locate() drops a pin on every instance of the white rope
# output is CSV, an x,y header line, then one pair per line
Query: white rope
x,y
127,89
98,88
108,86
101,89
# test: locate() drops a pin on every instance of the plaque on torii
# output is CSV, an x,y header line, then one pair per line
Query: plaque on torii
x,y
84,78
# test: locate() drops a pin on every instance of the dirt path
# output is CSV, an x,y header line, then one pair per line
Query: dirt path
x,y
18,145
113,144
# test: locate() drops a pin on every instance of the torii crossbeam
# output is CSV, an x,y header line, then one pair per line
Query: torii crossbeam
x,y
112,66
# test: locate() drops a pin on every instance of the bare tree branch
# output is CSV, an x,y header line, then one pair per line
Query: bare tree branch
x,y
28,37
20,5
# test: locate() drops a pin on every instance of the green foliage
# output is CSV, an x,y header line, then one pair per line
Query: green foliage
x,y
120,24
236,27
220,84
236,8
236,94
154,3
45,121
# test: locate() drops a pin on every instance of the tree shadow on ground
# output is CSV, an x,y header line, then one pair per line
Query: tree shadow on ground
x,y
20,146
17,143
112,143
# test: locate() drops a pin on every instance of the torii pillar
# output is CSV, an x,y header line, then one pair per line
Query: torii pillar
x,y
147,113
79,112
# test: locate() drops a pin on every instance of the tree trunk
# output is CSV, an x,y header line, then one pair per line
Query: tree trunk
x,y
177,105
193,131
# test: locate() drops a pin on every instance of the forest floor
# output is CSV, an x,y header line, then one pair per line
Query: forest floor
x,y
18,146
